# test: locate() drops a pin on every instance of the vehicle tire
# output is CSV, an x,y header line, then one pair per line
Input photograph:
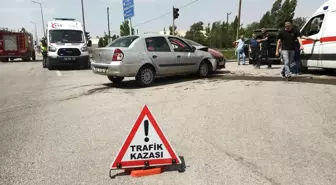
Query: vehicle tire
x,y
116,79
49,65
87,65
304,69
277,62
145,76
204,69
33,57
328,70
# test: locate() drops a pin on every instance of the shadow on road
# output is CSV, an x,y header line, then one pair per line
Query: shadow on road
x,y
161,82
296,79
21,61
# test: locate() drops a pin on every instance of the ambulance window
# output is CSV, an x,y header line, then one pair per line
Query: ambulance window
x,y
314,26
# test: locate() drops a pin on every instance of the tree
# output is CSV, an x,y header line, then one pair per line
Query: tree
x,y
293,4
164,31
266,21
125,29
299,22
274,14
100,43
114,37
251,27
195,33
285,14
171,30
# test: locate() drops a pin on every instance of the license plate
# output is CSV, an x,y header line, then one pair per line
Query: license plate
x,y
69,58
11,53
221,63
99,70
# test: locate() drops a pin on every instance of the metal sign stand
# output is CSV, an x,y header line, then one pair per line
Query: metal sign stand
x,y
130,26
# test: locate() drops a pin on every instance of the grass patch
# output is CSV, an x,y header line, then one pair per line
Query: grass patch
x,y
229,53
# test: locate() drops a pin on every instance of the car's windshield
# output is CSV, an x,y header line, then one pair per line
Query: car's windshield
x,y
192,42
123,41
66,36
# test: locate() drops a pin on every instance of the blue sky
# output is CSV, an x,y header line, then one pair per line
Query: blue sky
x,y
15,14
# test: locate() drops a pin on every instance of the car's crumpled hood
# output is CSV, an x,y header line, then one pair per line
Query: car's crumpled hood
x,y
215,53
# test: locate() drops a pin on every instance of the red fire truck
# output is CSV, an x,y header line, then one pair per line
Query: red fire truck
x,y
16,44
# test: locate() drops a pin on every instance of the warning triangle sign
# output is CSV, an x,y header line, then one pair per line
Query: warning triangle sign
x,y
145,145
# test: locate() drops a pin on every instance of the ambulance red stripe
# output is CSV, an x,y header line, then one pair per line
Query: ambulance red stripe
x,y
322,39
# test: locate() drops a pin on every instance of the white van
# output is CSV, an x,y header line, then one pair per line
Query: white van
x,y
322,27
67,44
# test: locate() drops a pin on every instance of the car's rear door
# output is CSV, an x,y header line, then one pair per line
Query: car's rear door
x,y
160,53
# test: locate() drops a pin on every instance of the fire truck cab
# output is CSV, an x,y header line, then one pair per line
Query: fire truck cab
x,y
16,44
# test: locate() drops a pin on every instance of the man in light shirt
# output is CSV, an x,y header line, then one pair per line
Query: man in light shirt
x,y
240,49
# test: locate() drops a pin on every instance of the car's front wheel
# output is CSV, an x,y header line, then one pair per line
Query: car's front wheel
x,y
145,76
204,69
115,79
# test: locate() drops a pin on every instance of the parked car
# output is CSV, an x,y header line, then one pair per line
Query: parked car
x,y
215,53
145,57
272,33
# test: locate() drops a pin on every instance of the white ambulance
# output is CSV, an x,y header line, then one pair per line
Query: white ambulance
x,y
67,44
320,53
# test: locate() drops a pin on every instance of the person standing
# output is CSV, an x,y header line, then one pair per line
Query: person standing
x,y
240,49
264,40
286,38
254,51
44,50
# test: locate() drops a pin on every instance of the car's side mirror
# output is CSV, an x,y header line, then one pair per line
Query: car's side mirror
x,y
89,43
193,49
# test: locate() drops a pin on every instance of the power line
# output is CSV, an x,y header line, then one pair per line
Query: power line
x,y
163,15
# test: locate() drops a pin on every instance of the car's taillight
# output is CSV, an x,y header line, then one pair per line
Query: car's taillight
x,y
118,55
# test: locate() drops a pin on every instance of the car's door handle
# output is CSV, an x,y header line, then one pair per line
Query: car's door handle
x,y
178,56
154,56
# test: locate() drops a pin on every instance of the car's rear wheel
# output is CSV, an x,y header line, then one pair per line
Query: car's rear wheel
x,y
145,76
204,69
116,79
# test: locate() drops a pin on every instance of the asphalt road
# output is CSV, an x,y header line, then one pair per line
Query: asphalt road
x,y
241,127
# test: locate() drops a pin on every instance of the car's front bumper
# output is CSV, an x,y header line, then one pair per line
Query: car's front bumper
x,y
68,60
115,68
220,63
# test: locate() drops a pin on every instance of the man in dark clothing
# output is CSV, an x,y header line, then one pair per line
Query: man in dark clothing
x,y
254,51
286,38
264,40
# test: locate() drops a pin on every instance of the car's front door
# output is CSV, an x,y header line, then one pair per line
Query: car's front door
x,y
186,57
311,55
161,55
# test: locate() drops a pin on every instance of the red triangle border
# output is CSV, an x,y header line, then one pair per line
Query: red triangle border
x,y
141,163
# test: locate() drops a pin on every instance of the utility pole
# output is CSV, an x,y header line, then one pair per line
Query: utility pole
x,y
173,28
130,26
239,14
44,31
108,23
83,16
35,33
227,28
